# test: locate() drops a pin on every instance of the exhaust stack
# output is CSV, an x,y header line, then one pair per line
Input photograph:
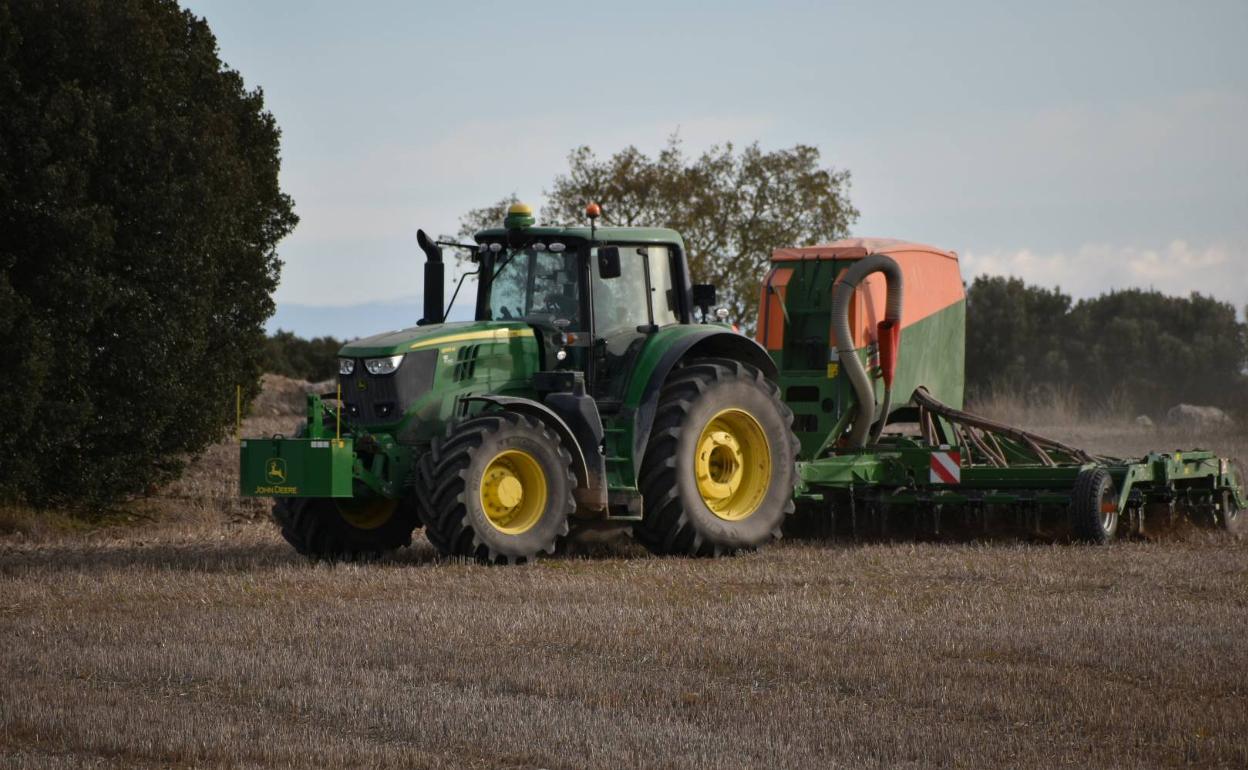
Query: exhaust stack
x,y
435,276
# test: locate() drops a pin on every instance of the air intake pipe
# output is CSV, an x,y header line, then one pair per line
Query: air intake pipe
x,y
889,332
434,278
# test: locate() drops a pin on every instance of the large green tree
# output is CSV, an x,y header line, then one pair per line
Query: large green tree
x,y
1154,351
1140,349
732,207
1015,335
139,213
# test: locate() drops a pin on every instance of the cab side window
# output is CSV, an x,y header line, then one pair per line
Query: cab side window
x,y
620,303
662,290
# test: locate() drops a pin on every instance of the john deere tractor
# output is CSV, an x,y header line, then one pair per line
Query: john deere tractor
x,y
595,388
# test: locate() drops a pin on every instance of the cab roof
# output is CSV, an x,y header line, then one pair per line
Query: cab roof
x,y
624,234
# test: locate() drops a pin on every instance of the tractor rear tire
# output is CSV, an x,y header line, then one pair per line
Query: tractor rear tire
x,y
1093,507
497,489
718,472
345,530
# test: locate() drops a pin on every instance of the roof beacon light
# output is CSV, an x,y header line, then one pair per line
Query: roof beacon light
x,y
519,216
593,211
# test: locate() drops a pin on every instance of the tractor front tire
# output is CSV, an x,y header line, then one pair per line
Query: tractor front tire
x,y
1094,507
497,489
345,530
718,471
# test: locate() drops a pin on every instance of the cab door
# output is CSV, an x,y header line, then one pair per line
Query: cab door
x,y
627,309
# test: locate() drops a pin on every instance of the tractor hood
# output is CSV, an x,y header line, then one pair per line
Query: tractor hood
x,y
433,336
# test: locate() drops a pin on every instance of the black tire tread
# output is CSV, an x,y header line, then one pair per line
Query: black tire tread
x,y
665,528
1230,517
303,525
442,491
1085,507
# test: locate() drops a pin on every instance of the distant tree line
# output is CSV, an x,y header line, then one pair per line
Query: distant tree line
x,y
291,356
1140,349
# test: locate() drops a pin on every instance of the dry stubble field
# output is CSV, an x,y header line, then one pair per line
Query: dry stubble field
x,y
194,637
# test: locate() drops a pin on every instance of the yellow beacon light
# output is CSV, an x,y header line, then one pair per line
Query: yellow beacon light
x,y
519,216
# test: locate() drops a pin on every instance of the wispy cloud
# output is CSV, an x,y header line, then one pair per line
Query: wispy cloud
x,y
1217,269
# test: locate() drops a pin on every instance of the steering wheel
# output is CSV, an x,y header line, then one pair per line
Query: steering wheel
x,y
560,305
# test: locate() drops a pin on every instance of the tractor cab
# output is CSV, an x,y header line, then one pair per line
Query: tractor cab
x,y
594,297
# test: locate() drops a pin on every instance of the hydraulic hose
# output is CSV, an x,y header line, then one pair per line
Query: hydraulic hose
x,y
842,293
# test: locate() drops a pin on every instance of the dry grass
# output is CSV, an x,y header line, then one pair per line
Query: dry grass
x,y
234,652
1109,431
198,503
200,639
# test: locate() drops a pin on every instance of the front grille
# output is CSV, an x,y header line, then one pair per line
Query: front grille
x,y
376,399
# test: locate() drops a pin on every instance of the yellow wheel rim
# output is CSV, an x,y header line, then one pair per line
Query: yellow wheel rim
x,y
513,491
733,465
367,514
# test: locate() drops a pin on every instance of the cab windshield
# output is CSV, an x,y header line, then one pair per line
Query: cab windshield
x,y
535,285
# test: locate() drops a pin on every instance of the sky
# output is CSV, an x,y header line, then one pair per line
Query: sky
x,y
1091,146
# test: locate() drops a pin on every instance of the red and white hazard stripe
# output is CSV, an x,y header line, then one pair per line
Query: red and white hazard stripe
x,y
947,467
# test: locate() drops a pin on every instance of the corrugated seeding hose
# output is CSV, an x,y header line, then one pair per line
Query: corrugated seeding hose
x,y
889,335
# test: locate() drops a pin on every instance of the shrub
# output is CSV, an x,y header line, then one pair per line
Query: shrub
x,y
140,208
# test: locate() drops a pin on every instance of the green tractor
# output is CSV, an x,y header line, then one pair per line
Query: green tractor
x,y
596,388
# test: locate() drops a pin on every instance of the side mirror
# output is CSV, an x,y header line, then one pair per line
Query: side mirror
x,y
703,298
609,262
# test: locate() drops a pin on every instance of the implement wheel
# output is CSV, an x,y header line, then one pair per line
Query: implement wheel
x,y
1094,507
718,471
1230,516
498,489
327,528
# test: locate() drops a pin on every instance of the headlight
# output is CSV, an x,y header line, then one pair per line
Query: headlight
x,y
383,365
346,366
